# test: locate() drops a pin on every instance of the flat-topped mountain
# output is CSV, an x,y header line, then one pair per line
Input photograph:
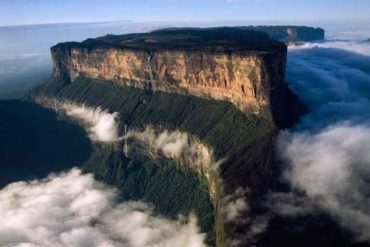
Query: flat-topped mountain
x,y
223,87
237,65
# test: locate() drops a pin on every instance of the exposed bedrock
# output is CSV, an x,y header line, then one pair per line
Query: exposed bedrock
x,y
243,72
223,87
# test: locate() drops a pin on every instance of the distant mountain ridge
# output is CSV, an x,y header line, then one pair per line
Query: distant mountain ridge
x,y
291,34
287,34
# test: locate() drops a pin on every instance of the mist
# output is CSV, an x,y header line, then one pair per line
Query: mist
x,y
101,125
72,209
185,149
325,157
25,59
235,208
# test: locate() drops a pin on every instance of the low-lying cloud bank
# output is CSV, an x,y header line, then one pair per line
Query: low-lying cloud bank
x,y
327,157
71,209
332,168
334,83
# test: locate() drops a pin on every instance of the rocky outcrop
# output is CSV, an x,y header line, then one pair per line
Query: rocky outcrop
x,y
239,66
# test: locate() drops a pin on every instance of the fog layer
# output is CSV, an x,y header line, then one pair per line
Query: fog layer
x,y
326,158
72,209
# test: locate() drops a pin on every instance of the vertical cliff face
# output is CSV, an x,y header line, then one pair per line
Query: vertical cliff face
x,y
244,75
164,70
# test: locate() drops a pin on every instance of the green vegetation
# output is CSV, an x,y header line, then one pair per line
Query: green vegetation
x,y
36,142
157,182
245,140
210,120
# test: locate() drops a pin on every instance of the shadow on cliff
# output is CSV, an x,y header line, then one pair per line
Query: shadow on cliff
x,y
34,142
286,108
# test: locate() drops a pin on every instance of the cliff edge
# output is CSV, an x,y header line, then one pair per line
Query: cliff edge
x,y
241,66
223,87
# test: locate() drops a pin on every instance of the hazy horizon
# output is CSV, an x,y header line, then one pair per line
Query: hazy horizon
x,y
22,12
25,59
315,23
219,137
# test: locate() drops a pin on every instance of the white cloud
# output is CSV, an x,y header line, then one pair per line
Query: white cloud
x,y
235,205
236,211
186,150
334,83
177,145
71,209
102,125
171,144
332,168
326,157
359,47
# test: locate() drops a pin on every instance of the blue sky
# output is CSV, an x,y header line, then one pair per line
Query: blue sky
x,y
15,12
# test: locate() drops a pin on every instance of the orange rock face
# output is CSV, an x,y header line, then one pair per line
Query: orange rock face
x,y
244,78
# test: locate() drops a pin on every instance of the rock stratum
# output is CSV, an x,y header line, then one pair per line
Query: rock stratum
x,y
240,66
223,87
